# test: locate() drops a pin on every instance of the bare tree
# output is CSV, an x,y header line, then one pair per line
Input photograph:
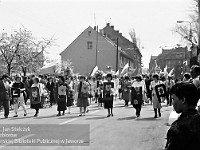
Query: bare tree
x,y
67,67
134,38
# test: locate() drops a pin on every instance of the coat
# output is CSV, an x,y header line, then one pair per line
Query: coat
x,y
5,92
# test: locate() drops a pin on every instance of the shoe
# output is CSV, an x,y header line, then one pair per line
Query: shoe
x,y
15,116
58,114
155,116
6,116
108,115
80,115
112,115
36,115
25,114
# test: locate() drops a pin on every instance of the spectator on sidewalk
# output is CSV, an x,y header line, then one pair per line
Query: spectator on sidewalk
x,y
184,133
5,94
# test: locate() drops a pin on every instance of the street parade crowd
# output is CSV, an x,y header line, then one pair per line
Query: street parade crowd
x,y
67,91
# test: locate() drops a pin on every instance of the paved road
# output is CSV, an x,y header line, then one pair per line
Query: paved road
x,y
120,132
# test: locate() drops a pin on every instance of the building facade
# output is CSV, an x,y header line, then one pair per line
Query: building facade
x,y
177,58
91,48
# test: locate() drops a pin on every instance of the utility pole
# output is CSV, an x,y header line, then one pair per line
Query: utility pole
x,y
96,45
198,50
117,55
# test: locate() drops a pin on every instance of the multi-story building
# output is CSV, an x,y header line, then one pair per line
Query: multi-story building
x,y
92,48
177,58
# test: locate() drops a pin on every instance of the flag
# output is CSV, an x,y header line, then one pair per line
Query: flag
x,y
165,71
185,63
156,64
94,71
171,72
117,73
125,69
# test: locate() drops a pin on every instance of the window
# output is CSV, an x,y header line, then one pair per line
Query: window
x,y
89,45
89,33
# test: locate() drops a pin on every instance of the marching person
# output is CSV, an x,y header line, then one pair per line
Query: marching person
x,y
83,95
36,94
19,98
5,94
137,97
61,95
126,90
155,101
50,88
184,133
108,92
169,83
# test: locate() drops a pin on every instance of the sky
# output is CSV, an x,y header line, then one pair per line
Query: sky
x,y
153,20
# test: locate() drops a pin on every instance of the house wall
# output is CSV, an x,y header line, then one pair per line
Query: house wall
x,y
84,59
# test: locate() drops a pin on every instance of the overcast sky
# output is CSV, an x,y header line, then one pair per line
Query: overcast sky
x,y
152,20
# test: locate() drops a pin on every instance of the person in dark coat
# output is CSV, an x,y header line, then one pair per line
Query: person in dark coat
x,y
61,95
5,94
50,88
108,93
126,90
184,133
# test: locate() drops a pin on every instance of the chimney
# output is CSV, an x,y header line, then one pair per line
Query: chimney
x,y
117,31
112,27
95,28
108,24
120,34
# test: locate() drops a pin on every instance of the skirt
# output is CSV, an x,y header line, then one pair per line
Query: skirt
x,y
155,101
36,106
69,102
82,102
61,106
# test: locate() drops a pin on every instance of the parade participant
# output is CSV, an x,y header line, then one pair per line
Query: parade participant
x,y
108,91
184,133
169,83
126,90
70,99
155,101
137,94
147,83
50,88
116,86
5,94
61,95
17,91
36,94
83,95
120,87
27,89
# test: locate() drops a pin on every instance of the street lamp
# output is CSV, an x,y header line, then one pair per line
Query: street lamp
x,y
190,38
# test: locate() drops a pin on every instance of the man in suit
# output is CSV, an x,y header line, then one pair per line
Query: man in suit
x,y
5,95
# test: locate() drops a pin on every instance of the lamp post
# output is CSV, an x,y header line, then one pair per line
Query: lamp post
x,y
190,38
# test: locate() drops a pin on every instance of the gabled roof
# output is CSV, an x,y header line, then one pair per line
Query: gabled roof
x,y
107,39
125,42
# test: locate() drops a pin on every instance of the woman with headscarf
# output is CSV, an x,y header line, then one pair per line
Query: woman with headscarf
x,y
61,95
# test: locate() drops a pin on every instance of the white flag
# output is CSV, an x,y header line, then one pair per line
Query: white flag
x,y
171,72
94,71
125,69
117,73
